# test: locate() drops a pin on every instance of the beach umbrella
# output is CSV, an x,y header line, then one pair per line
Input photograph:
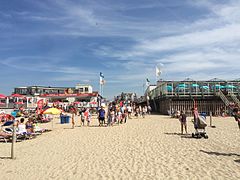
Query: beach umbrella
x,y
53,111
228,86
6,116
218,86
195,85
169,88
182,85
93,102
17,95
8,123
76,102
19,102
2,96
205,87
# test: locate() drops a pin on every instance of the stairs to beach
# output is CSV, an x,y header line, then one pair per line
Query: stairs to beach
x,y
235,99
223,98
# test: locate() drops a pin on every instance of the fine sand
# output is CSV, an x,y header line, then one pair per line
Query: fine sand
x,y
149,148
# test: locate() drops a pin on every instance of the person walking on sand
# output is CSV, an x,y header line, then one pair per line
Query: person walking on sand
x,y
73,112
73,120
183,121
87,116
195,118
129,109
82,117
236,115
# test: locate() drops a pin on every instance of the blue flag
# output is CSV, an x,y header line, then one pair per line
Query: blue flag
x,y
101,80
101,75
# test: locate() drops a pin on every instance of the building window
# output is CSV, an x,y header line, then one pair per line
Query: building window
x,y
80,89
86,89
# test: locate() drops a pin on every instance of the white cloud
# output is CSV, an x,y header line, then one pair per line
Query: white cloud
x,y
209,45
43,64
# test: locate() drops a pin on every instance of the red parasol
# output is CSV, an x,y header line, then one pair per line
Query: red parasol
x,y
17,95
2,96
19,102
93,102
6,116
77,102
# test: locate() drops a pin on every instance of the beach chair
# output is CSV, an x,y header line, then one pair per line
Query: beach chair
x,y
20,135
5,137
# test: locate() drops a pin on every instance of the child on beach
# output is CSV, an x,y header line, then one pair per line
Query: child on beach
x,y
119,116
73,120
87,116
82,117
183,121
73,111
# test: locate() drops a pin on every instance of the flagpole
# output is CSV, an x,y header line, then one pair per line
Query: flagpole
x,y
102,90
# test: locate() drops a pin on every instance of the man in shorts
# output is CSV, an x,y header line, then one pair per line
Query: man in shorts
x,y
101,116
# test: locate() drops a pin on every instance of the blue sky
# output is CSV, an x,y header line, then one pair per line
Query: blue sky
x,y
64,42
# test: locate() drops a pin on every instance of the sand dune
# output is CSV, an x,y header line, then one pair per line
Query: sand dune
x,y
149,148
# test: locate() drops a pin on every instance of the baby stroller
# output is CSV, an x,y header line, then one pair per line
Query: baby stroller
x,y
199,125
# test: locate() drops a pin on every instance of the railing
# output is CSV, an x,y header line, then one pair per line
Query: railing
x,y
235,99
223,97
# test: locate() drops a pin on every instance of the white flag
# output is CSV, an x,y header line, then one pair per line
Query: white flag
x,y
158,71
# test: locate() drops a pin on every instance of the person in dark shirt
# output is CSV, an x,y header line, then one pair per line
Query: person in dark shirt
x,y
101,116
183,121
236,115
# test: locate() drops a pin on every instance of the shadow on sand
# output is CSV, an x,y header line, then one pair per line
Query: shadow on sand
x,y
237,161
5,157
187,136
222,154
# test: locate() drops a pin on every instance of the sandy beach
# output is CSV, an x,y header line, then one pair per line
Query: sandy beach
x,y
149,148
